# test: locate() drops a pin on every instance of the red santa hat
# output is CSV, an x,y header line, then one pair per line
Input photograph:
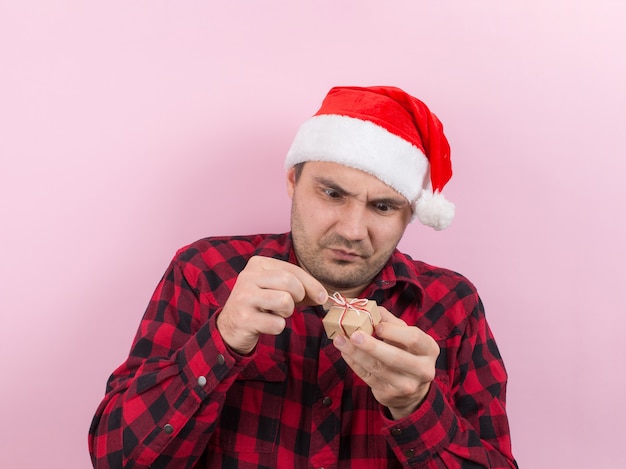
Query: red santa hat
x,y
385,132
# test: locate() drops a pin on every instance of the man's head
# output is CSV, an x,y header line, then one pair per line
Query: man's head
x,y
358,171
389,134
345,223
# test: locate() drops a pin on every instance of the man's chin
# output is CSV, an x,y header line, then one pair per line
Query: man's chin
x,y
343,279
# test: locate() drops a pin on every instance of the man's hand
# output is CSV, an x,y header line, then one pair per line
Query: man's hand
x,y
265,293
398,368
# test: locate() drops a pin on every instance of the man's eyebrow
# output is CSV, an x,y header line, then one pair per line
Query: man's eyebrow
x,y
329,183
393,201
321,180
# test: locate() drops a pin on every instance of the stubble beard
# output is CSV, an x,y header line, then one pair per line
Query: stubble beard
x,y
335,275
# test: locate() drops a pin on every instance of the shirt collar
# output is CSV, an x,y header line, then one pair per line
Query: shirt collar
x,y
398,271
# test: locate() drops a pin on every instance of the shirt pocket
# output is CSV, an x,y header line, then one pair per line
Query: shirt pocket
x,y
250,419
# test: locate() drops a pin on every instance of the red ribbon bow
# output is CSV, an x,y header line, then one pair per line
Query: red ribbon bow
x,y
356,304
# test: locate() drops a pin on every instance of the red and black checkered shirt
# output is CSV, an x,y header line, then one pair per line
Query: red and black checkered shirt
x,y
182,399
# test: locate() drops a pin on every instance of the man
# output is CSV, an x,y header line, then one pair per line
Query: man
x,y
231,367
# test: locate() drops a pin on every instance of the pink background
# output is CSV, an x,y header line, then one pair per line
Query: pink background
x,y
128,129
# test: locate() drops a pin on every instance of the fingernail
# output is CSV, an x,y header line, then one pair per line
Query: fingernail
x,y
322,297
339,341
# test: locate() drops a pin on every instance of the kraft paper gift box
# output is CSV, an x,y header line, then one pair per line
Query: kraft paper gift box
x,y
353,315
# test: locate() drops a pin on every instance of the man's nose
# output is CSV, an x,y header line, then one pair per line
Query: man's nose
x,y
352,221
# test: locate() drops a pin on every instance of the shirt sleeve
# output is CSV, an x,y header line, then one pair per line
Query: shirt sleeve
x,y
462,422
161,405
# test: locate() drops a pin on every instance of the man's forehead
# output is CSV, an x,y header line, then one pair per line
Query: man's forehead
x,y
351,180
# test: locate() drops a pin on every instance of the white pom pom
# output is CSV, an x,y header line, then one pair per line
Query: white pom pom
x,y
434,210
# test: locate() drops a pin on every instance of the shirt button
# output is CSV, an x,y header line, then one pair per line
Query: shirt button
x,y
201,381
168,429
409,453
396,432
220,359
327,401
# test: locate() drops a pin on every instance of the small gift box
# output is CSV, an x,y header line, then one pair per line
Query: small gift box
x,y
346,316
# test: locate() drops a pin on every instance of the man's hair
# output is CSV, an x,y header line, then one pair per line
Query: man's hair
x,y
298,170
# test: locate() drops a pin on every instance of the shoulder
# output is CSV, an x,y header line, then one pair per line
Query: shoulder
x,y
449,301
434,280
211,265
439,279
211,251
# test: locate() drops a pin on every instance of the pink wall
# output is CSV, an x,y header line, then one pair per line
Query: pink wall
x,y
128,129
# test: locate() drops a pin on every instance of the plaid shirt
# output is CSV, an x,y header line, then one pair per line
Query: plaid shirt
x,y
182,399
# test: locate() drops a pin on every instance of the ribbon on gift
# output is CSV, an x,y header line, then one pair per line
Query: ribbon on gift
x,y
356,304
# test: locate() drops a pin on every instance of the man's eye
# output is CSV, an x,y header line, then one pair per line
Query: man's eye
x,y
332,193
384,208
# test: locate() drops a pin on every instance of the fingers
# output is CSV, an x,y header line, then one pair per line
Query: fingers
x,y
411,339
305,289
265,293
398,368
276,286
277,302
384,359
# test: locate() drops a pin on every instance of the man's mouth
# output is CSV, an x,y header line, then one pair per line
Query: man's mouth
x,y
344,255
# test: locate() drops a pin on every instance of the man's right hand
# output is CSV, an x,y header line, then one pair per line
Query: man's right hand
x,y
265,293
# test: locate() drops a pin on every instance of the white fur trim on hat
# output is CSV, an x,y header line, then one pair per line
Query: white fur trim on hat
x,y
363,145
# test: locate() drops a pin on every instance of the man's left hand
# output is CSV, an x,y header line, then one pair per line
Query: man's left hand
x,y
398,364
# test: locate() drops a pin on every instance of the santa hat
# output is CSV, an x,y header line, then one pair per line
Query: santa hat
x,y
385,132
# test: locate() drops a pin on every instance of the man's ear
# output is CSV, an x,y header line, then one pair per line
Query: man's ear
x,y
291,181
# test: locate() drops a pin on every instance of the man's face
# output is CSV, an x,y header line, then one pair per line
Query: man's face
x,y
345,224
